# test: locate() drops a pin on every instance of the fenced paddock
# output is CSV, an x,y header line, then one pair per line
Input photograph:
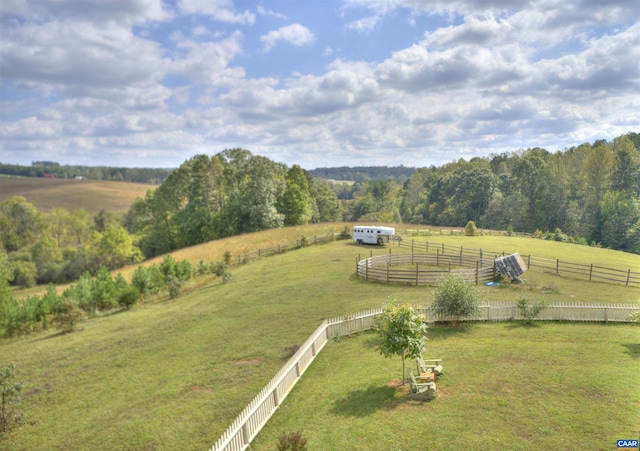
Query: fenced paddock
x,y
396,268
253,255
248,424
591,272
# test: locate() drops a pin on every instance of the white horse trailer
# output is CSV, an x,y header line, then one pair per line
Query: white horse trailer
x,y
372,234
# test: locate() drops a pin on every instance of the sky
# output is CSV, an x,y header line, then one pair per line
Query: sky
x,y
317,83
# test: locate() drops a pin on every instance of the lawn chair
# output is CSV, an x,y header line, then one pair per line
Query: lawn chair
x,y
429,366
423,391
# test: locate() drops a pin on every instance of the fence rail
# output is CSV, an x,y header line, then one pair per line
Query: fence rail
x,y
590,272
248,424
384,268
249,256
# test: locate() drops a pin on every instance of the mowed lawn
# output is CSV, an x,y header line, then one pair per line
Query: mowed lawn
x,y
505,386
173,374
90,195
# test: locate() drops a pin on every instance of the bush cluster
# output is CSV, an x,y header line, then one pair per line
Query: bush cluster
x,y
98,293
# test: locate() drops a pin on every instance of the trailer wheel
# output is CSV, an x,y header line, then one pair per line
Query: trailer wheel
x,y
359,241
380,241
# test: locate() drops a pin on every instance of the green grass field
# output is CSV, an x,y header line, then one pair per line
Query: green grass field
x,y
173,374
505,386
90,195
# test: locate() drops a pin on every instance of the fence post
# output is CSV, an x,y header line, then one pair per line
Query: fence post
x,y
437,257
477,272
605,314
245,434
417,274
412,242
427,247
276,400
460,255
557,266
387,271
590,272
628,277
442,248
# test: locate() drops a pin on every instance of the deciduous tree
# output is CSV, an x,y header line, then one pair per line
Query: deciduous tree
x,y
402,331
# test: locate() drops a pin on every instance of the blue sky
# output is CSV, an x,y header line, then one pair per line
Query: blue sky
x,y
151,83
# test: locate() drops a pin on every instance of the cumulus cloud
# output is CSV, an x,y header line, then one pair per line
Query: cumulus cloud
x,y
482,76
267,12
365,24
208,62
295,34
78,54
220,10
122,12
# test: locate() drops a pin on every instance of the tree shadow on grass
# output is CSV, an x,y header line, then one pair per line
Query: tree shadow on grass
x,y
57,334
633,349
438,331
362,403
519,324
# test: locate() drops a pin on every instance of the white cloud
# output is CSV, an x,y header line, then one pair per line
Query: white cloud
x,y
78,56
267,12
208,62
363,25
220,10
121,12
295,34
118,84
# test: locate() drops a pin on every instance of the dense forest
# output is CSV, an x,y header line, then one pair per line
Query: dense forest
x,y
230,193
364,173
589,194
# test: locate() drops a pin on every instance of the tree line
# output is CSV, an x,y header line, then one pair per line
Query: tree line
x,y
59,245
154,176
230,193
589,194
364,173
206,198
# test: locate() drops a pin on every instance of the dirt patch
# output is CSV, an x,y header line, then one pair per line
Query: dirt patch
x,y
201,388
399,386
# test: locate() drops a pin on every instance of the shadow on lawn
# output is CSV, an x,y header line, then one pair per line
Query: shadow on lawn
x,y
444,331
362,403
633,349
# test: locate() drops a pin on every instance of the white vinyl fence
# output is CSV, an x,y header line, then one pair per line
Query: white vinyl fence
x,y
251,420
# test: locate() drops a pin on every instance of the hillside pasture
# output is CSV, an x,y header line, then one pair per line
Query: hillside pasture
x,y
173,374
90,195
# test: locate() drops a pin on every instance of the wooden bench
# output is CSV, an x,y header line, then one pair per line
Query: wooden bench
x,y
421,390
429,366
